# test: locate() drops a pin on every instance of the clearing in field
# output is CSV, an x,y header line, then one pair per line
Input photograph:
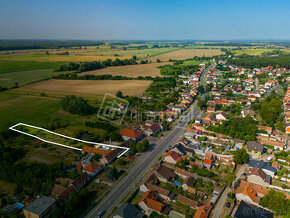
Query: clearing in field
x,y
98,87
130,70
187,53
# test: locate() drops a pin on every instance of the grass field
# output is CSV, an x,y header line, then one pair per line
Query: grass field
x,y
96,87
257,51
130,70
12,63
8,80
186,53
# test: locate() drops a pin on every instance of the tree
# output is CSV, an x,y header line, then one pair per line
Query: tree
x,y
241,156
112,173
119,94
76,105
277,202
201,104
158,60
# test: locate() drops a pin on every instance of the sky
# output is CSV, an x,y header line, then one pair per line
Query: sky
x,y
145,19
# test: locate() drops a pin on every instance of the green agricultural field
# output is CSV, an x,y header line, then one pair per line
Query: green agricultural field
x,y
256,51
191,62
9,80
29,109
140,53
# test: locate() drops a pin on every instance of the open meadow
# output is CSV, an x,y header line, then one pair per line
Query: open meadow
x,y
186,53
256,51
83,87
9,80
150,69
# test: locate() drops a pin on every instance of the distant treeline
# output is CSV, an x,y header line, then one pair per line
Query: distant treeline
x,y
254,61
74,76
44,44
228,44
94,65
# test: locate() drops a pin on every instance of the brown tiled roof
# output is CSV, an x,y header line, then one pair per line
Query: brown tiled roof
x,y
273,143
174,155
266,128
209,156
80,180
276,165
189,181
94,150
181,172
158,189
203,211
92,167
112,154
165,172
152,179
257,172
151,200
207,161
186,201
60,192
251,189
131,133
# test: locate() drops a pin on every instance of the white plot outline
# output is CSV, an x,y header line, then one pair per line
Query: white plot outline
x,y
64,136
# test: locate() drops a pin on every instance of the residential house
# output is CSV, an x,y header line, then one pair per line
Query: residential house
x,y
182,173
250,192
128,210
164,174
92,169
183,151
268,129
161,192
253,211
94,150
152,179
80,181
210,109
150,202
187,185
150,128
258,176
276,165
239,143
208,163
187,201
41,207
248,112
203,211
275,144
264,166
197,164
132,134
221,116
255,147
108,158
60,192
172,157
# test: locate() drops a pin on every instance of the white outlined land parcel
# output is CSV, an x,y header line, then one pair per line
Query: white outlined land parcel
x,y
95,144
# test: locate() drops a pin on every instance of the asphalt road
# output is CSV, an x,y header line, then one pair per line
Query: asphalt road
x,y
145,162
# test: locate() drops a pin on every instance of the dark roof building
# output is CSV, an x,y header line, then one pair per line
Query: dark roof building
x,y
246,210
255,146
128,211
42,207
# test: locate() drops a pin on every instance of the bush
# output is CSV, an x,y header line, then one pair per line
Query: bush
x,y
76,105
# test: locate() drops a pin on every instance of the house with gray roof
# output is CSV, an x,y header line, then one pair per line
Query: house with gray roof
x,y
41,207
128,210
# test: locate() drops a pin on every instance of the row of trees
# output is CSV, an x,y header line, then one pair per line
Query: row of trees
x,y
137,147
176,69
94,65
255,61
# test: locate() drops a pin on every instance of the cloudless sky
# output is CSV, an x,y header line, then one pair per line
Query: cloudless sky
x,y
145,19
